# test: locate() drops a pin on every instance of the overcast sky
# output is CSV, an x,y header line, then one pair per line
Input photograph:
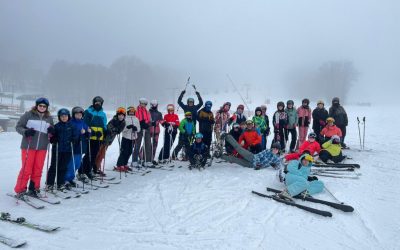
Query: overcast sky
x,y
254,41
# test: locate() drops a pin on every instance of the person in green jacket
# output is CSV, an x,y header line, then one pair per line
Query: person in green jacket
x,y
259,121
292,125
332,150
187,130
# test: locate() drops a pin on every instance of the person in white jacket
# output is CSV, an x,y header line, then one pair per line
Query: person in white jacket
x,y
129,136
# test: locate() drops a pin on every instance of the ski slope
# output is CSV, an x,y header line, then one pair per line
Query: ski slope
x,y
214,209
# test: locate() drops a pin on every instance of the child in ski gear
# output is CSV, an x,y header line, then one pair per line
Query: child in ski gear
x,y
156,119
264,159
144,118
250,138
198,152
96,120
330,130
267,131
238,116
206,123
222,120
304,115
292,125
298,179
129,136
236,132
62,143
280,121
34,127
114,127
79,148
190,107
338,113
187,130
311,146
332,150
259,121
170,124
319,116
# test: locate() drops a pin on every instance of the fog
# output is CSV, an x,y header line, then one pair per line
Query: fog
x,y
279,46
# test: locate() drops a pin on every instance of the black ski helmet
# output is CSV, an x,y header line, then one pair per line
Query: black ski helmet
x,y
98,99
305,100
280,104
258,109
290,102
276,145
335,100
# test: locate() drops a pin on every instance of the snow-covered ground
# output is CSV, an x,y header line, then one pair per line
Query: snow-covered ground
x,y
214,209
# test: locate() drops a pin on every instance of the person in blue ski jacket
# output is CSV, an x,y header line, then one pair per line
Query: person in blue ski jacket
x,y
80,146
298,179
198,152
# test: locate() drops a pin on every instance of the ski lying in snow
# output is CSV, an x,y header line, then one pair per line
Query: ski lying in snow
x,y
333,169
27,200
336,176
344,208
22,222
337,165
46,199
340,173
11,242
59,194
291,203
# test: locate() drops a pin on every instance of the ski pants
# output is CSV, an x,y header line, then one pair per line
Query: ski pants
x,y
58,167
280,137
264,137
343,129
125,152
324,155
71,169
143,135
154,144
183,142
293,133
302,134
169,139
32,166
296,184
89,160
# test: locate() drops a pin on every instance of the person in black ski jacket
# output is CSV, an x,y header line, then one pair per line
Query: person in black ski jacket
x,y
206,122
319,115
267,131
190,107
236,132
338,113
156,119
198,152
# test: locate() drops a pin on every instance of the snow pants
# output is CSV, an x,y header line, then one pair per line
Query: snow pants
x,y
58,167
183,142
343,129
279,136
71,169
125,152
32,166
293,141
154,144
169,139
296,184
143,135
302,134
324,156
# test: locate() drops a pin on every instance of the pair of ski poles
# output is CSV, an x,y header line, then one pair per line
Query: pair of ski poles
x,y
362,142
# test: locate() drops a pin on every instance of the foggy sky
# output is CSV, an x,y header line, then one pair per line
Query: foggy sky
x,y
255,42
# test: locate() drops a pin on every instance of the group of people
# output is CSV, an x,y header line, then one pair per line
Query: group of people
x,y
81,137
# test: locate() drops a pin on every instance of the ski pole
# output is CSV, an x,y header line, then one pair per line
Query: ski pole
x,y
187,83
56,181
334,197
363,147
47,167
73,158
144,147
90,163
359,132
26,159
81,144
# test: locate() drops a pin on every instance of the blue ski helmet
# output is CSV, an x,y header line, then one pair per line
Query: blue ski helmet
x,y
63,111
208,105
42,100
198,135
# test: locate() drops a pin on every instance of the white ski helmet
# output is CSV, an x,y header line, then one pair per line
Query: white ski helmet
x,y
154,103
143,100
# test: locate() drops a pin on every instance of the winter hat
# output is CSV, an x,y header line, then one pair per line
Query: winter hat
x,y
227,103
240,106
154,103
121,110
42,100
143,100
335,100
263,107
170,107
76,110
306,100
290,102
280,104
131,109
98,99
258,109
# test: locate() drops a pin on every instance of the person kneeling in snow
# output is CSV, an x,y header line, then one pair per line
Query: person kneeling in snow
x,y
298,179
332,150
198,152
263,159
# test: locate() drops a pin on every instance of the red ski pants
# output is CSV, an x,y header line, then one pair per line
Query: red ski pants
x,y
32,166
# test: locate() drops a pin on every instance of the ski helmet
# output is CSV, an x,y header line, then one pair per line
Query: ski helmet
x,y
42,100
121,111
143,100
208,104
312,135
335,139
307,157
240,106
98,99
227,103
154,103
63,111
305,100
188,113
290,102
235,125
280,104
131,109
258,109
77,110
190,99
248,122
276,145
198,136
335,100
320,102
170,107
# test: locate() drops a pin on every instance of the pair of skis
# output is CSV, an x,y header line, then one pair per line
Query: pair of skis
x,y
342,207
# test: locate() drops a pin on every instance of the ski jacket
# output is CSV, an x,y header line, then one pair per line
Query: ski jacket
x,y
114,127
129,133
221,120
280,119
40,123
187,128
304,115
312,147
265,158
206,121
319,117
238,118
339,114
65,134
171,120
78,126
250,138
266,118
292,118
97,121
260,124
143,114
296,168
333,149
198,149
157,117
193,109
330,131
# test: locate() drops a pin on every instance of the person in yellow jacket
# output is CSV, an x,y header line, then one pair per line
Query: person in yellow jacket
x,y
332,150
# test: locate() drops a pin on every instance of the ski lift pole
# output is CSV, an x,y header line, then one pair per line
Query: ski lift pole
x,y
359,132
234,86
364,134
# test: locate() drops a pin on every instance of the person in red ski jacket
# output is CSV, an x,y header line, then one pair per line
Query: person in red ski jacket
x,y
311,147
144,118
250,139
330,130
170,124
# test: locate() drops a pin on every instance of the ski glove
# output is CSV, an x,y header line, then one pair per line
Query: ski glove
x,y
312,178
129,126
144,125
30,132
51,130
153,123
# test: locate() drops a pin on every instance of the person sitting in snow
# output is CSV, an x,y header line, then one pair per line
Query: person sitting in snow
x,y
251,139
198,152
298,179
332,150
311,146
330,130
